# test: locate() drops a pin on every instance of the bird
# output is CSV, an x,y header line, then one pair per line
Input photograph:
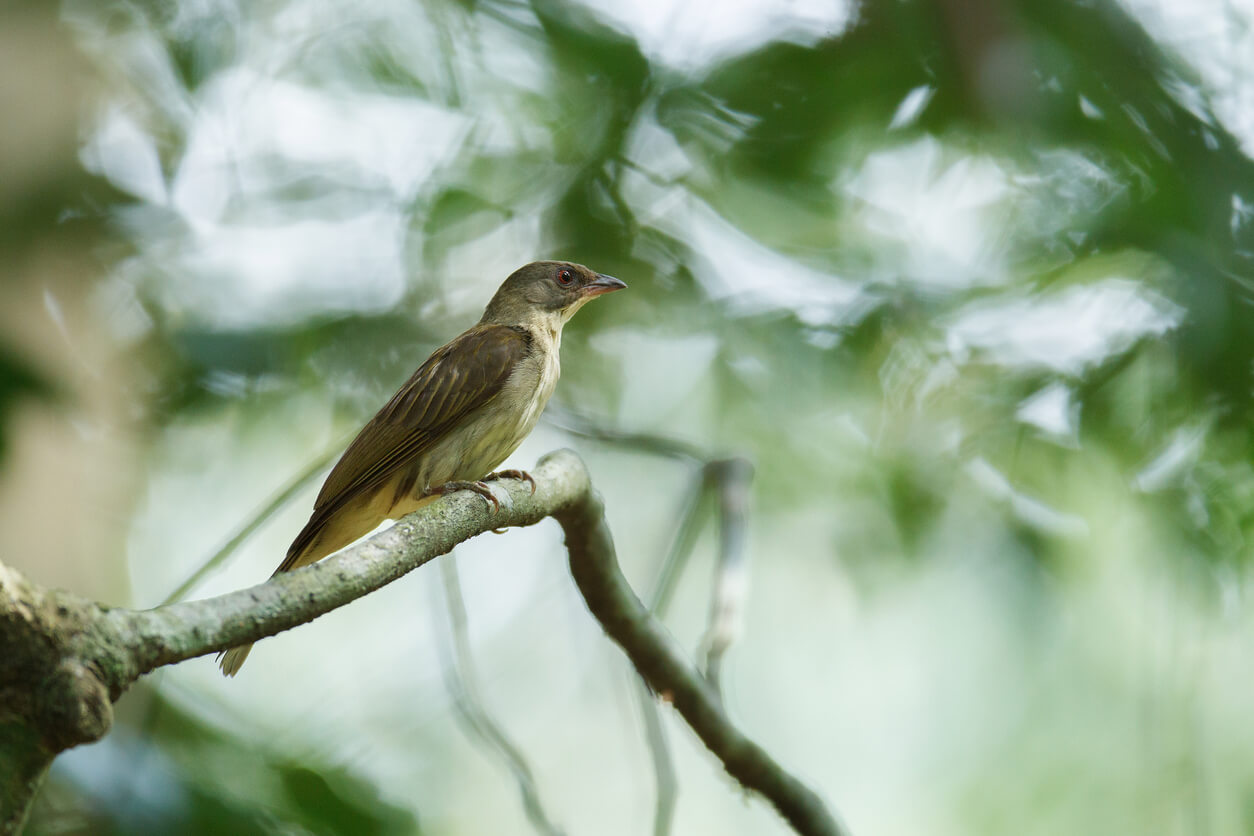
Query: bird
x,y
462,413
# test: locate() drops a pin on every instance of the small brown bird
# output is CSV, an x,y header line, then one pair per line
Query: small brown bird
x,y
460,415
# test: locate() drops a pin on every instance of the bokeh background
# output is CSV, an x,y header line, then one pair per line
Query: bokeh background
x,y
968,281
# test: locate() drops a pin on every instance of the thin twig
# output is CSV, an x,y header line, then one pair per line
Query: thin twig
x,y
462,682
656,657
665,778
258,519
658,445
688,529
729,479
732,478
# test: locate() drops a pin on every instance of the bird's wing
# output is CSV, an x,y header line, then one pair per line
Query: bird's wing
x,y
459,377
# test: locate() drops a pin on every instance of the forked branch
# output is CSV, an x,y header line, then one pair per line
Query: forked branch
x,y
67,659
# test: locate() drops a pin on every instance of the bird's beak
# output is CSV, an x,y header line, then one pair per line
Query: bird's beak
x,y
602,285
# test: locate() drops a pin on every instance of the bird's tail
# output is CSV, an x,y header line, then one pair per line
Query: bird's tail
x,y
307,549
232,660
323,534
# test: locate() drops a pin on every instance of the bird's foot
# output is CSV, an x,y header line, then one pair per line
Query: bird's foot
x,y
520,475
477,487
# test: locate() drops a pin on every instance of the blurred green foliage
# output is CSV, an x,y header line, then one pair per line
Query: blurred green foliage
x,y
963,277
179,786
18,381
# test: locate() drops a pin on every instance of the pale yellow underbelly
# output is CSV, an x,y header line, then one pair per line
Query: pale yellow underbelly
x,y
473,450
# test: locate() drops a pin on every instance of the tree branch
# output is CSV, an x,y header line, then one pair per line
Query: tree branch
x,y
258,519
653,653
67,659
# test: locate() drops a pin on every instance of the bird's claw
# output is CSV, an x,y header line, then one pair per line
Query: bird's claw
x,y
520,475
476,487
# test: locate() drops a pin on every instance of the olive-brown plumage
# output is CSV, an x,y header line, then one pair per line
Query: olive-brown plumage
x,y
458,416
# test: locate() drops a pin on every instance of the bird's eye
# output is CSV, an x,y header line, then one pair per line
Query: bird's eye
x,y
565,278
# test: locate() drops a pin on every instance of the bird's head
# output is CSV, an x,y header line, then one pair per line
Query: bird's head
x,y
547,290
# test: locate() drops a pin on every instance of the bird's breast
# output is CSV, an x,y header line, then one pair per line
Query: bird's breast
x,y
489,436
